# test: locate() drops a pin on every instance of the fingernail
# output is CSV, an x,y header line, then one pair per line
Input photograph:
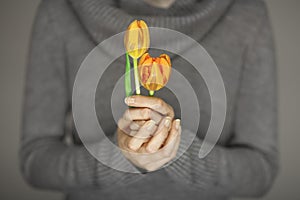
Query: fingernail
x,y
132,146
177,124
134,126
167,122
150,149
129,100
150,125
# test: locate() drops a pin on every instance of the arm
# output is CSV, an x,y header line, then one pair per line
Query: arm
x,y
46,161
248,165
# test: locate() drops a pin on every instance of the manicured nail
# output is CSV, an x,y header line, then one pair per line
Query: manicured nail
x,y
150,125
134,126
150,149
167,122
129,100
177,124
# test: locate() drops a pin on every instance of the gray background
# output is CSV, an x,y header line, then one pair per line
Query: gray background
x,y
16,17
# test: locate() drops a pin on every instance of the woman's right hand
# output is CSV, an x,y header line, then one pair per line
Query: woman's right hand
x,y
139,122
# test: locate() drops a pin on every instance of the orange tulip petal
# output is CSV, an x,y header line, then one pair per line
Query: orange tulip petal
x,y
166,57
143,58
154,72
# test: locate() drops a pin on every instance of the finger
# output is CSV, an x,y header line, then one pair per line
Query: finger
x,y
123,124
171,141
164,155
140,122
177,143
160,136
122,139
163,159
136,125
159,158
154,103
145,132
176,146
133,114
132,133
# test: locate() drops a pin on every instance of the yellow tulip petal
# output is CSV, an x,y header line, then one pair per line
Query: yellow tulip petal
x,y
137,40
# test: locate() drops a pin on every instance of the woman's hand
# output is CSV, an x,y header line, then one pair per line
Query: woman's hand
x,y
147,133
151,161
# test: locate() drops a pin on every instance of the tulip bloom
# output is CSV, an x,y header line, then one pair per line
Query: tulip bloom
x,y
154,73
137,42
137,39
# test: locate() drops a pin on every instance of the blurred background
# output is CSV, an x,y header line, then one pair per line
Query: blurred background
x,y
16,18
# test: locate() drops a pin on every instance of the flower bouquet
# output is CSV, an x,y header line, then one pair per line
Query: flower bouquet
x,y
152,72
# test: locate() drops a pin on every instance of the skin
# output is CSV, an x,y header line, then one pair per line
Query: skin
x,y
160,3
148,135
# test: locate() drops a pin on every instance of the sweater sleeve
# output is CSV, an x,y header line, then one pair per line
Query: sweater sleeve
x,y
247,166
46,160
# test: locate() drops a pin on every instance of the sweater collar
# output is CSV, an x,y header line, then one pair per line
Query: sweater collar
x,y
104,18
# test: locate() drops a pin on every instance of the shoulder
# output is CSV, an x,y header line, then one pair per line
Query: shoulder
x,y
51,8
251,12
246,18
55,14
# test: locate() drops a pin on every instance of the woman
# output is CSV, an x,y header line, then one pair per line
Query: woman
x,y
237,35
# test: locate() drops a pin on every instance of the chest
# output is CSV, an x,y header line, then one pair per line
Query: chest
x,y
227,55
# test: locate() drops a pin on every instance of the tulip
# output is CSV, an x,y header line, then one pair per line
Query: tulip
x,y
137,39
154,73
137,42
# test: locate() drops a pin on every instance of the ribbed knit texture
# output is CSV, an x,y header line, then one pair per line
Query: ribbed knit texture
x,y
198,17
237,35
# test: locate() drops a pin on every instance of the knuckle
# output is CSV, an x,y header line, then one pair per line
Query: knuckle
x,y
127,115
160,103
150,149
130,144
146,112
172,112
134,126
119,122
140,123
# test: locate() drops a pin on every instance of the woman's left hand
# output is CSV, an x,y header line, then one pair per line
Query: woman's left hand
x,y
149,149
154,160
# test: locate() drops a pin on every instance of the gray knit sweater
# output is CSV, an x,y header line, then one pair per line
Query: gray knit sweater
x,y
238,37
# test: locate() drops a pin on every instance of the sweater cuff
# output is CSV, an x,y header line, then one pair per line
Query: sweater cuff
x,y
86,167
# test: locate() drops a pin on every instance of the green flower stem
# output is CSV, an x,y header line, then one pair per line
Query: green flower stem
x,y
151,93
128,89
136,76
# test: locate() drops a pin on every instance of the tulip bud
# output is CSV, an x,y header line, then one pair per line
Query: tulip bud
x,y
137,39
154,72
